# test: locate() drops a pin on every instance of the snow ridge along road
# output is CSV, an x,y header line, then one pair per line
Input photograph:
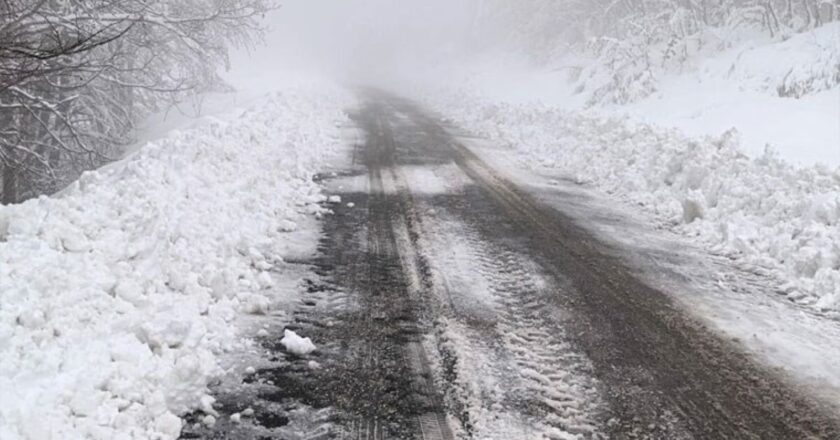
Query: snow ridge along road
x,y
123,297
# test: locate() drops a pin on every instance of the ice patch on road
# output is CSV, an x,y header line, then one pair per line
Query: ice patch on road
x,y
432,180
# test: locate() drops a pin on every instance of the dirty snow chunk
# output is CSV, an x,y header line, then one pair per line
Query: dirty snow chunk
x,y
351,205
295,344
235,417
335,199
209,421
249,412
250,370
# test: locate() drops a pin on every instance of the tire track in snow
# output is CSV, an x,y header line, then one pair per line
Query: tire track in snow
x,y
546,381
549,382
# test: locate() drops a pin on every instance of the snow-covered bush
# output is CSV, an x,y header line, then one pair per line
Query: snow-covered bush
x,y
621,74
813,62
76,76
626,47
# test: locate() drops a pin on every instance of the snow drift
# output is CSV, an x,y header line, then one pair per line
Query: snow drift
x,y
118,294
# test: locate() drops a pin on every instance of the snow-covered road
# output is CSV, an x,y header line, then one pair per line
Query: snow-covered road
x,y
449,302
453,292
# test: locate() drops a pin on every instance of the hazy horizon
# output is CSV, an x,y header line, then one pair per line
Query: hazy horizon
x,y
370,41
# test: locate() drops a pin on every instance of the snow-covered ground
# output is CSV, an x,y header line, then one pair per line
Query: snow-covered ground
x,y
121,294
740,88
714,91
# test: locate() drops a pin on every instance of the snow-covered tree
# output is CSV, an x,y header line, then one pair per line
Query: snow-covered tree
x,y
75,76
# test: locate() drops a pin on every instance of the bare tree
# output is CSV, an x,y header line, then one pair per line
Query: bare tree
x,y
76,76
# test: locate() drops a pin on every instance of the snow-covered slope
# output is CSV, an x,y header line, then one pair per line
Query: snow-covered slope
x,y
781,94
118,295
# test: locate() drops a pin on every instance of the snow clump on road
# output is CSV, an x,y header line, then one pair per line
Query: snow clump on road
x,y
297,345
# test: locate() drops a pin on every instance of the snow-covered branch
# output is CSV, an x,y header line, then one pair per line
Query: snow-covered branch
x,y
76,76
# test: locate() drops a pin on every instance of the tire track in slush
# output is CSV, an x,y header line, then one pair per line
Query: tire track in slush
x,y
390,252
554,386
549,383
373,381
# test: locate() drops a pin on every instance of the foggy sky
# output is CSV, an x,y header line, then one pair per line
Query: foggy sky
x,y
362,40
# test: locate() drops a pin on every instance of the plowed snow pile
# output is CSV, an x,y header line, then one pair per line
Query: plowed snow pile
x,y
118,295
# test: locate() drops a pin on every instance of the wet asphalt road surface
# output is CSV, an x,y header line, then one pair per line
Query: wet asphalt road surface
x,y
448,303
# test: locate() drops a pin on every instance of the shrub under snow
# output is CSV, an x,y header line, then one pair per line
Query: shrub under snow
x,y
118,294
762,210
623,71
804,64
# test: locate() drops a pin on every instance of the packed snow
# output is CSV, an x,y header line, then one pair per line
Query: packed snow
x,y
120,294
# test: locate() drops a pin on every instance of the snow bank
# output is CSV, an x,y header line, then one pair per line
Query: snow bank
x,y
118,295
762,211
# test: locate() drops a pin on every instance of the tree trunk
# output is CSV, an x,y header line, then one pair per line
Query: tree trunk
x,y
808,17
817,16
8,195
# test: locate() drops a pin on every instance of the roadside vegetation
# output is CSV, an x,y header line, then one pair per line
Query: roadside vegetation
x,y
77,76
